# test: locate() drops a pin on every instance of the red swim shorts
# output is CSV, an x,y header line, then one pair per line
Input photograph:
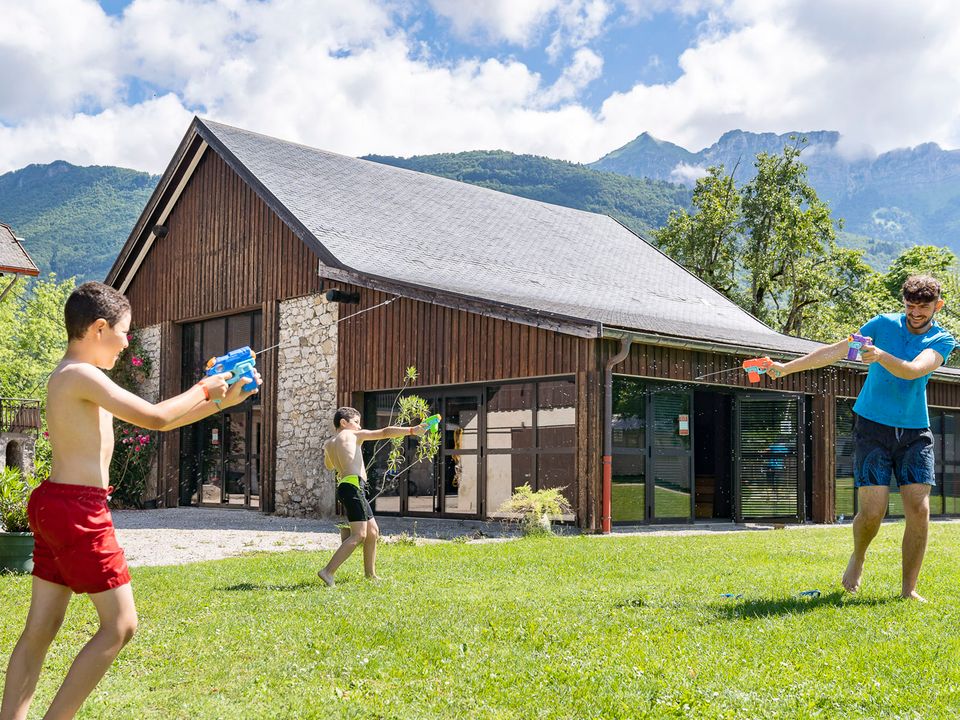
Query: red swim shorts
x,y
74,542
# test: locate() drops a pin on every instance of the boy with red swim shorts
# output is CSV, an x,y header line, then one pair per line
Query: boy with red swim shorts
x,y
76,550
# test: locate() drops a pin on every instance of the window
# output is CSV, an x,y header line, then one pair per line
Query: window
x,y
531,439
629,420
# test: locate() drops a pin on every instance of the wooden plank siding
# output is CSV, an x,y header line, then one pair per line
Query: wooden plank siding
x,y
448,346
225,252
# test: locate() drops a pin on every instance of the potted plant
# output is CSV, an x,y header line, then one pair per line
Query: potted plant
x,y
16,540
536,509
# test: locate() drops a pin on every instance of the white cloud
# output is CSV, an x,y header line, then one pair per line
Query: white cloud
x,y
346,76
514,21
883,74
142,136
687,174
586,67
55,56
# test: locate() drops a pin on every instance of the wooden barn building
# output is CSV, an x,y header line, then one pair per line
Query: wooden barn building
x,y
561,349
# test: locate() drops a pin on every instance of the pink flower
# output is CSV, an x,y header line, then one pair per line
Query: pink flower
x,y
46,434
126,432
129,337
137,448
137,362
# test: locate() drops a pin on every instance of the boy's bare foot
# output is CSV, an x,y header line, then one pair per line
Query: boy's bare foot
x,y
373,577
328,579
852,575
913,596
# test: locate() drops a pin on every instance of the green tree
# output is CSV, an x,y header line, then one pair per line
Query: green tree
x,y
32,336
771,247
926,260
705,242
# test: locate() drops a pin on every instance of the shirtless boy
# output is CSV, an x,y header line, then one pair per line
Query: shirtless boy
x,y
342,454
76,550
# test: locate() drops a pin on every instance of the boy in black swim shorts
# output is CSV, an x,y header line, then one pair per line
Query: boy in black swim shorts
x,y
342,454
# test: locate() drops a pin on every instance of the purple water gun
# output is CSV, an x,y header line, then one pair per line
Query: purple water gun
x,y
855,343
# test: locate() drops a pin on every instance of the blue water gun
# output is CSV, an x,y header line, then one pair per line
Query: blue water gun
x,y
240,362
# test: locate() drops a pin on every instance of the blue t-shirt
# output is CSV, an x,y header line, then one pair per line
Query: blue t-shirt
x,y
885,398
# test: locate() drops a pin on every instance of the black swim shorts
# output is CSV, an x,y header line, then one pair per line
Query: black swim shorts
x,y
354,502
879,450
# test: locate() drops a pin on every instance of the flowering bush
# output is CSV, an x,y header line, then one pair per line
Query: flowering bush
x,y
134,447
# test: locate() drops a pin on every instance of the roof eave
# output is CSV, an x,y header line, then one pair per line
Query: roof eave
x,y
555,322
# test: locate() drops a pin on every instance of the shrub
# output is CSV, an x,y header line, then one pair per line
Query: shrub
x,y
134,450
14,493
536,509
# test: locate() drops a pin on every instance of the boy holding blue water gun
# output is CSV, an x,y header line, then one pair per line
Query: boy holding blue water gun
x,y
342,454
75,548
891,424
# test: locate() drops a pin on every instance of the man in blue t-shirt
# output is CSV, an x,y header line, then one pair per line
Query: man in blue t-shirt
x,y
891,425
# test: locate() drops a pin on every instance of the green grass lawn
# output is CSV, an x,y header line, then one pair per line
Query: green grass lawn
x,y
576,627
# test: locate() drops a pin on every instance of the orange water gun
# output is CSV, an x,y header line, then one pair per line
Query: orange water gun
x,y
756,367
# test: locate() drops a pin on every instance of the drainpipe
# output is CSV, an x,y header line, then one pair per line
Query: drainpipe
x,y
606,502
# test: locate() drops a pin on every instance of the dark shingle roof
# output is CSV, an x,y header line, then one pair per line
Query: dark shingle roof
x,y
13,258
457,238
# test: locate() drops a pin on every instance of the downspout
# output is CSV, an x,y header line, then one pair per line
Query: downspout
x,y
607,490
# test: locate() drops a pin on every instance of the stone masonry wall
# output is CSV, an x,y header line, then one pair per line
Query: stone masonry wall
x,y
150,390
306,402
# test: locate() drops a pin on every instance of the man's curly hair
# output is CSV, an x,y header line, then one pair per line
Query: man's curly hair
x,y
921,289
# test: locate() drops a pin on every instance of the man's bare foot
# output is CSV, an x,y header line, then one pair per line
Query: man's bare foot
x,y
852,575
912,596
328,579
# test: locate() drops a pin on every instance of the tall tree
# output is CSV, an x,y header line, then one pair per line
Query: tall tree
x,y
771,247
705,242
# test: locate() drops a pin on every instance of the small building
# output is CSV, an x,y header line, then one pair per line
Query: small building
x,y
561,349
19,417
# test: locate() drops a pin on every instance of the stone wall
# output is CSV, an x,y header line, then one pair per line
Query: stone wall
x,y
150,390
306,402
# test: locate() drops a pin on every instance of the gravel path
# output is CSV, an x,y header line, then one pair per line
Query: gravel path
x,y
183,535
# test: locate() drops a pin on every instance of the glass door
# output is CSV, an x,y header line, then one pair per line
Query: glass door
x,y
670,479
460,454
220,455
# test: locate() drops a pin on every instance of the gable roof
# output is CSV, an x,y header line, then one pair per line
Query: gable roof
x,y
374,223
13,258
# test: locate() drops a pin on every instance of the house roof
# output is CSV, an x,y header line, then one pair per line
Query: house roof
x,y
13,258
430,232
449,241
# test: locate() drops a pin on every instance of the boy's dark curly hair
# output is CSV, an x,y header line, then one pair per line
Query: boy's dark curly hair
x,y
344,413
88,303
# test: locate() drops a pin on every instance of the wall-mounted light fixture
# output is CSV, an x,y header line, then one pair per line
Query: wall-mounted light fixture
x,y
340,296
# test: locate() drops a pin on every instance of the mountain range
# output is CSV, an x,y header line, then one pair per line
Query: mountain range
x,y
75,219
898,198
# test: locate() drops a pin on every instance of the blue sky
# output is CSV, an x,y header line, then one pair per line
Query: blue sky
x,y
117,81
